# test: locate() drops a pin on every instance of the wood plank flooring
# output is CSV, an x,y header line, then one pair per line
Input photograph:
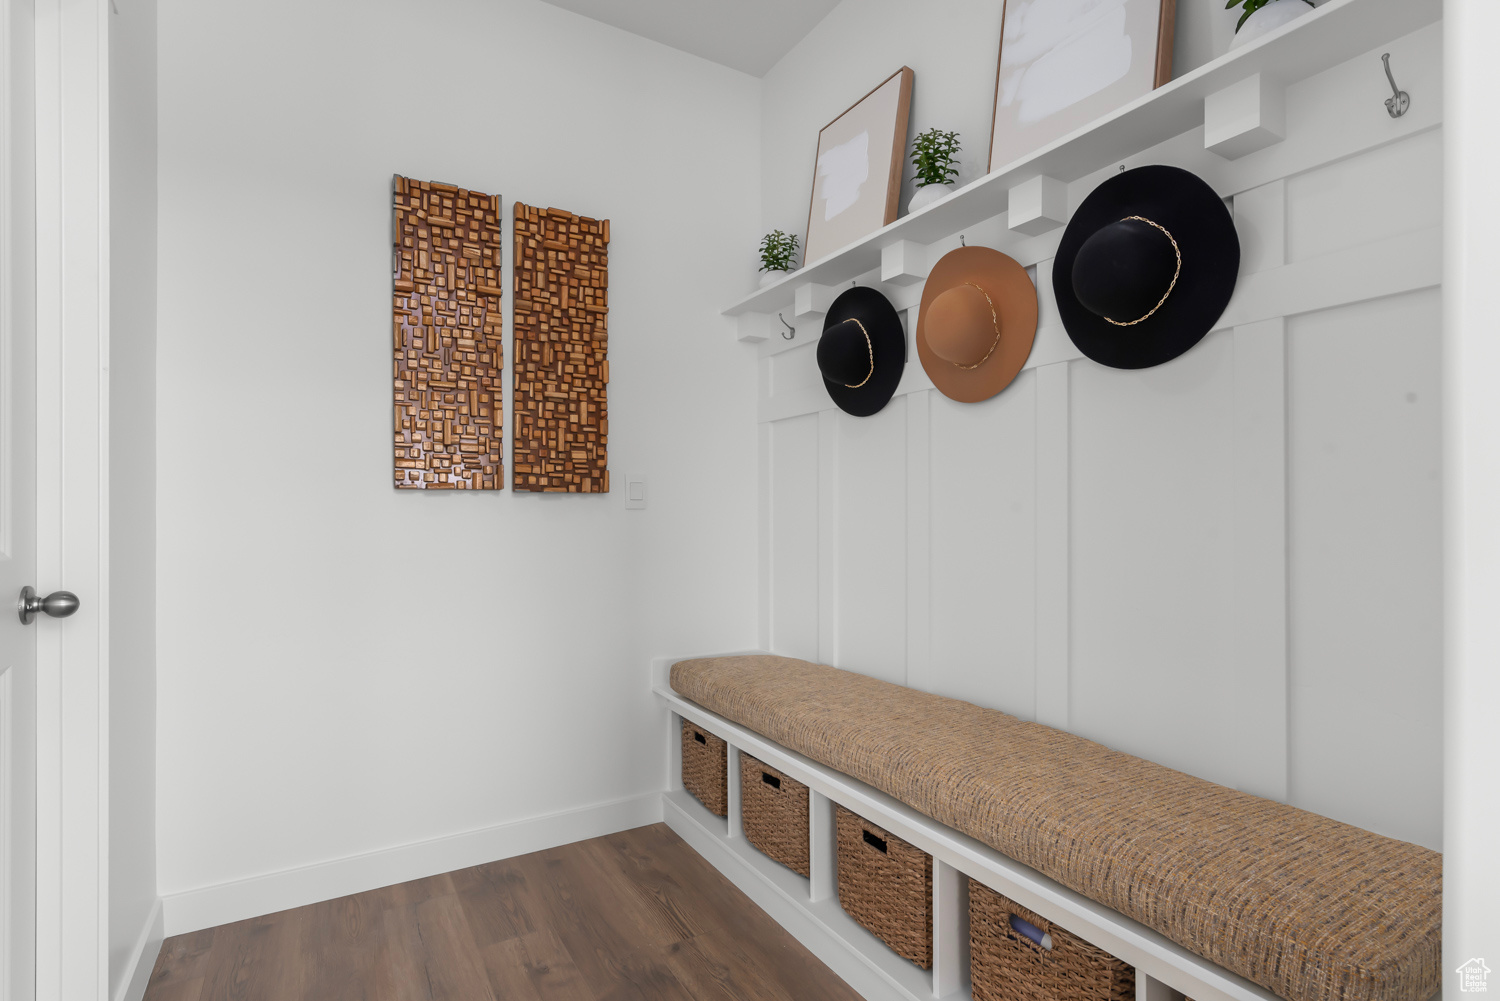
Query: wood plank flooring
x,y
636,915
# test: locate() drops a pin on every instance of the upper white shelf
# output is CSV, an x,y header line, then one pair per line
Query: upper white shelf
x,y
1337,31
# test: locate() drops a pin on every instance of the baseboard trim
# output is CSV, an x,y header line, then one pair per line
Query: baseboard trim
x,y
137,975
210,906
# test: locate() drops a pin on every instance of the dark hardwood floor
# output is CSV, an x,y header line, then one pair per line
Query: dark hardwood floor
x,y
637,915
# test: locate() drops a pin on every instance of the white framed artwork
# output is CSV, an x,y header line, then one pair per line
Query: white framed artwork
x,y
857,176
1065,63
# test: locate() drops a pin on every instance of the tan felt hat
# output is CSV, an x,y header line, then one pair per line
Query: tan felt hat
x,y
977,323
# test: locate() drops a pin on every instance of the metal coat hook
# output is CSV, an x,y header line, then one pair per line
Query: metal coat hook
x,y
1399,101
961,241
791,331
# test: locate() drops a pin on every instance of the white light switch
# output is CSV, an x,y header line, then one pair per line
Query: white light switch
x,y
635,491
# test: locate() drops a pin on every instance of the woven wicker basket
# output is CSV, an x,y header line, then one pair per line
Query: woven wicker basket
x,y
705,768
886,885
1008,963
773,813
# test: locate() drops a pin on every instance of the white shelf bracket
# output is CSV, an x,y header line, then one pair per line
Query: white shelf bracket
x,y
812,300
1038,206
1244,117
754,327
903,263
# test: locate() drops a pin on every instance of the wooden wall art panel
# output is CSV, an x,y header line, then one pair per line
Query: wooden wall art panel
x,y
561,375
449,347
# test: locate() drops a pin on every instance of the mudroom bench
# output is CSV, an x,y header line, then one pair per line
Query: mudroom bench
x,y
1164,970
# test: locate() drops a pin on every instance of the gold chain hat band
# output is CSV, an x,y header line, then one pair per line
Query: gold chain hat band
x,y
1175,275
993,319
869,346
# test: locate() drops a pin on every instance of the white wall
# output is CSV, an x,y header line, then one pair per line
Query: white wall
x,y
345,668
1230,563
1471,435
134,920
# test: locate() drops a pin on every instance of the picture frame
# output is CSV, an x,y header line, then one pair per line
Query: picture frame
x,y
1066,63
857,172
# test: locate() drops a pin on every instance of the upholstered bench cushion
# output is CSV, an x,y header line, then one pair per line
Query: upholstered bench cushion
x,y
1309,908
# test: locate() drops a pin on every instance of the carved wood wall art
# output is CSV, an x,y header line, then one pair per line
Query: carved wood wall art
x,y
449,347
561,429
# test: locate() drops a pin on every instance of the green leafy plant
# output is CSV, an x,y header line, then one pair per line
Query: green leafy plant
x,y
933,154
1251,6
777,250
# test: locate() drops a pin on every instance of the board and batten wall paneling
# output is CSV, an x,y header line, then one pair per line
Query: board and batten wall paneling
x,y
1053,544
1228,564
1258,597
871,528
828,536
983,638
1364,531
1152,546
1365,566
918,539
1349,203
794,537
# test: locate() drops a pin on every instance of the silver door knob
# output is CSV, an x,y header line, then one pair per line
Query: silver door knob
x,y
58,604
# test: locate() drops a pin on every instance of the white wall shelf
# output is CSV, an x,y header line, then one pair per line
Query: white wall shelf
x,y
1337,31
1164,969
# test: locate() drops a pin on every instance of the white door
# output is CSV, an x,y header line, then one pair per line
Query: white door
x,y
64,44
53,434
18,651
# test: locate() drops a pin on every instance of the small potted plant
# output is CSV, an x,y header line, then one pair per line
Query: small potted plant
x,y
777,250
934,153
1261,17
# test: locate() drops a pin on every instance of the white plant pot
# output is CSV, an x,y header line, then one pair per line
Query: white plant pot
x,y
1266,20
768,277
928,194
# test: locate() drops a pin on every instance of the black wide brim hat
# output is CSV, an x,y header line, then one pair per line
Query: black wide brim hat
x,y
1192,212
884,355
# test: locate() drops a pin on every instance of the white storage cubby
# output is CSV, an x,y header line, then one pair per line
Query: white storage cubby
x,y
809,907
